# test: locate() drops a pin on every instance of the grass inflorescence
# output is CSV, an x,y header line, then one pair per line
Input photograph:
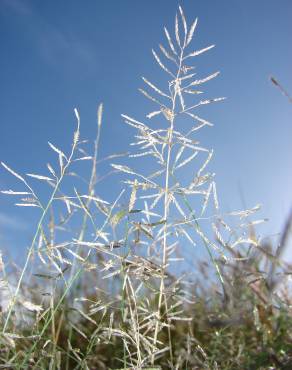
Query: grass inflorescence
x,y
120,285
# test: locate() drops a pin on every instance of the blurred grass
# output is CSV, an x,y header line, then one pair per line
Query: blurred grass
x,y
247,327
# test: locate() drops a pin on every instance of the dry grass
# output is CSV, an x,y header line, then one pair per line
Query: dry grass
x,y
111,293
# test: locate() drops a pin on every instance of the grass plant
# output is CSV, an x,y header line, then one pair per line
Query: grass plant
x,y
121,285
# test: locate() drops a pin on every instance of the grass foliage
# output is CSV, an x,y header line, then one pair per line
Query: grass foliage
x,y
120,285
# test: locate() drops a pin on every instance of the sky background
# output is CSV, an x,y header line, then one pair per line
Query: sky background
x,y
58,55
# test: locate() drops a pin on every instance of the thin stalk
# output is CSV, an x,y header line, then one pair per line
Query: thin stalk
x,y
46,324
166,213
39,227
91,185
197,227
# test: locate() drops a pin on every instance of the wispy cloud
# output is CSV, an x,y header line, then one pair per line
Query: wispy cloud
x,y
59,48
56,46
12,222
18,6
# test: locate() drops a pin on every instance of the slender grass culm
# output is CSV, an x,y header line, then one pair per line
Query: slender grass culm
x,y
171,220
159,278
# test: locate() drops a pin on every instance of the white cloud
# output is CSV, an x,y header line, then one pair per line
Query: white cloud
x,y
18,6
54,44
12,222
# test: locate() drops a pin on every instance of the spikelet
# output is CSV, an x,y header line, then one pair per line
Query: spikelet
x,y
155,88
198,52
133,196
161,64
168,56
177,32
192,30
13,172
170,41
183,22
77,132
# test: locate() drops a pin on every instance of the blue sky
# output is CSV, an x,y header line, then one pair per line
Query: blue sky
x,y
57,55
